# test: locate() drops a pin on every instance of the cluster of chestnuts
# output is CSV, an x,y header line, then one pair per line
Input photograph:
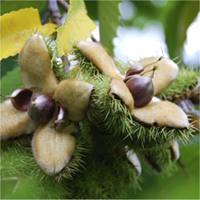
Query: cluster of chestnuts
x,y
55,106
40,107
141,87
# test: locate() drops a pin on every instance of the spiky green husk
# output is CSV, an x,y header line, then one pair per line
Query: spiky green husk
x,y
159,159
181,88
17,161
108,171
58,66
113,116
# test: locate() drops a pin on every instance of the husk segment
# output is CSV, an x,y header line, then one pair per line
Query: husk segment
x,y
119,88
113,116
161,113
95,52
52,149
74,95
14,122
166,71
35,65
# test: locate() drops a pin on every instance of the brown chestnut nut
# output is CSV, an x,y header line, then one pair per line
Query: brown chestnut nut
x,y
20,98
137,68
41,108
128,78
141,88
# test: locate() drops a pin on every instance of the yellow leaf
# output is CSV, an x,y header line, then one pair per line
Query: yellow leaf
x,y
17,27
77,27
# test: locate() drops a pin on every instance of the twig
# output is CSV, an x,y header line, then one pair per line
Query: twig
x,y
183,167
187,106
46,17
64,4
66,63
4,96
195,95
53,12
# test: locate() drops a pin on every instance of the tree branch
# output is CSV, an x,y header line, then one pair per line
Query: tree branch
x,y
64,4
54,12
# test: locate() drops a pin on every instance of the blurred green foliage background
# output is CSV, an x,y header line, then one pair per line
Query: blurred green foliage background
x,y
175,17
182,184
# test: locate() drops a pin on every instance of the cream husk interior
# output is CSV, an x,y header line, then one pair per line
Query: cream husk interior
x,y
133,158
35,65
14,122
74,95
119,88
95,52
163,113
165,73
52,149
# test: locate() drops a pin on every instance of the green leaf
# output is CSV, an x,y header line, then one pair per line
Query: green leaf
x,y
8,64
177,21
92,9
8,185
11,81
77,27
108,12
16,28
14,5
